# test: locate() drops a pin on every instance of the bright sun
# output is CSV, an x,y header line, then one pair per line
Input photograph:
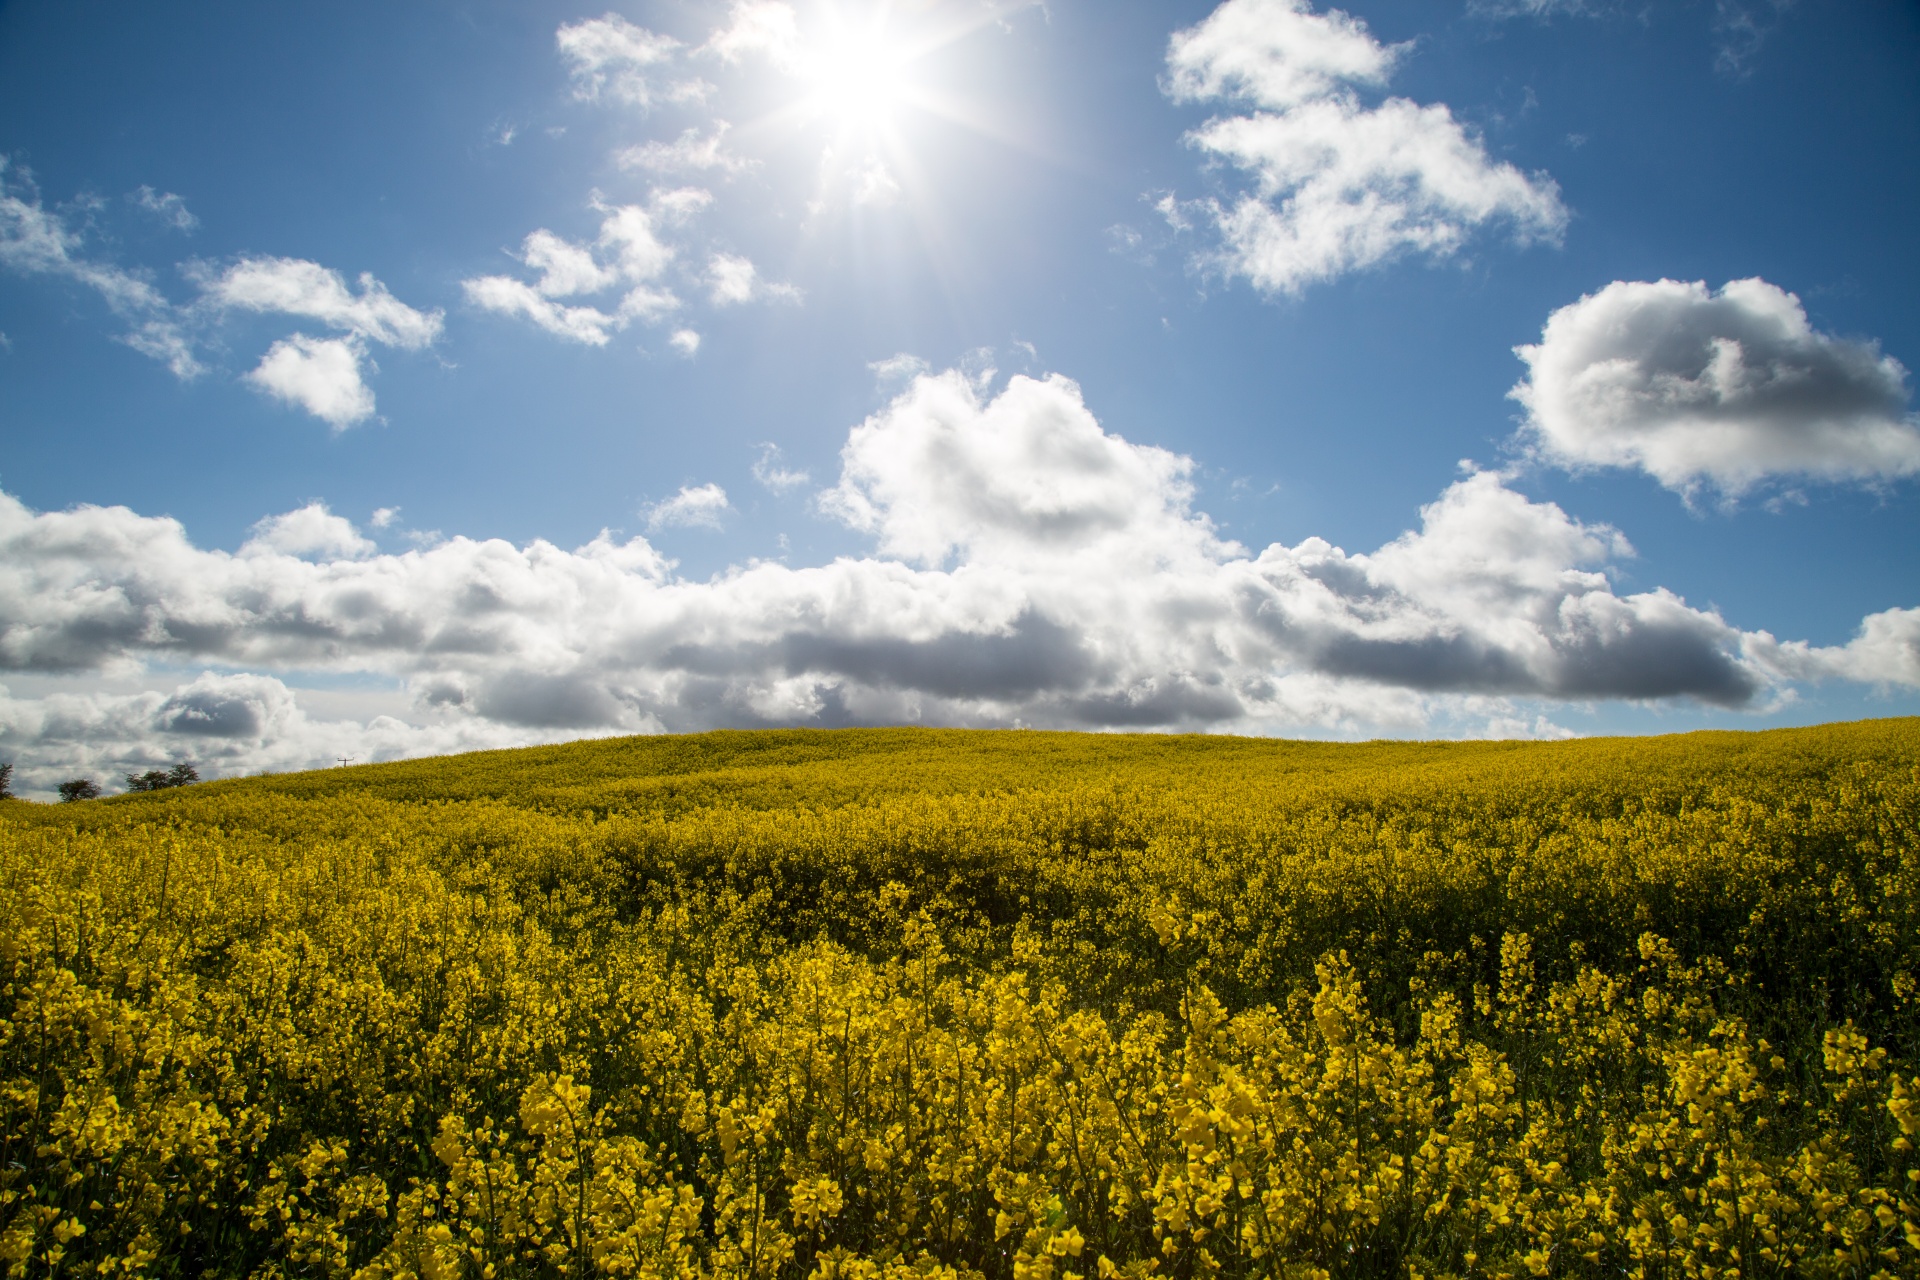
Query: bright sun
x,y
857,76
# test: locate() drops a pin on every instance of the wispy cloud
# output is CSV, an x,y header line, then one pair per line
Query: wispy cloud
x,y
166,206
35,240
695,506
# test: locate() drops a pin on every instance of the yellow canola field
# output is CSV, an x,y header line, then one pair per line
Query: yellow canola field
x,y
906,1003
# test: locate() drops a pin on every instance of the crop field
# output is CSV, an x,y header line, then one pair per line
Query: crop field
x,y
904,1003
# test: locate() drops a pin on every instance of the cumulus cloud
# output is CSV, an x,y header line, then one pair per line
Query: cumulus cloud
x,y
733,279
315,532
1337,185
1885,652
629,254
1029,567
1711,388
225,724
35,240
694,506
293,286
320,375
685,341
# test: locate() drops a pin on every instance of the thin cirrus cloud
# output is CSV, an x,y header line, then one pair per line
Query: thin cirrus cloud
x,y
1708,389
1740,27
35,240
1028,567
167,206
691,152
1335,185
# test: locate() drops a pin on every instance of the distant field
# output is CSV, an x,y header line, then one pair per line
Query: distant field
x,y
949,1003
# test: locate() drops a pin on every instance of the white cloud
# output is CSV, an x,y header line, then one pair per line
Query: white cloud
x,y
629,251
312,531
695,506
773,475
899,368
765,27
383,517
294,286
1274,53
685,341
609,56
1886,652
1029,566
166,206
320,375
1725,388
689,153
507,296
565,268
225,724
37,241
730,279
1337,186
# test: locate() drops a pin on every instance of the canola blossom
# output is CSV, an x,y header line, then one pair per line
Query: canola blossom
x,y
914,1003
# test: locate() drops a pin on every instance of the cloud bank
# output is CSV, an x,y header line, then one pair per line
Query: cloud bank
x,y
1030,568
1336,185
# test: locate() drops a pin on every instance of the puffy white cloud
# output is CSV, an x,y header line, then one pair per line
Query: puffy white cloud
x,y
1028,473
1338,186
766,27
684,341
611,57
565,268
1274,53
694,506
629,251
320,375
313,531
730,279
166,206
37,241
510,297
1886,652
294,286
1031,567
1724,388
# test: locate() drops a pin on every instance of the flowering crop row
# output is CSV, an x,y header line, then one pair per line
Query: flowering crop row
x,y
908,1003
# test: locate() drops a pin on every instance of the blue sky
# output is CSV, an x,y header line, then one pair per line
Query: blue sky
x,y
389,379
